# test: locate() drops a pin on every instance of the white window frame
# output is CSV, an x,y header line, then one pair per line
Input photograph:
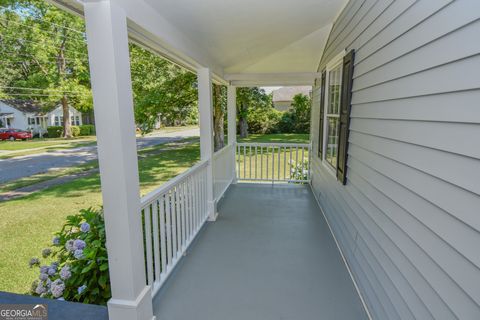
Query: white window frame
x,y
332,64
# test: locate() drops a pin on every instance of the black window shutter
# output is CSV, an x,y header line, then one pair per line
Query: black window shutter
x,y
345,108
322,111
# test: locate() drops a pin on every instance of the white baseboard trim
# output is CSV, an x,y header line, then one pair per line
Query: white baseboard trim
x,y
367,311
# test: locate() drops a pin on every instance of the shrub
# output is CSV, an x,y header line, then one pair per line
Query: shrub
x,y
299,170
80,270
263,120
55,131
75,131
87,130
287,123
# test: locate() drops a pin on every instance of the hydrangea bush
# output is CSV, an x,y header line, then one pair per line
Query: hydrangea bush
x,y
299,171
79,271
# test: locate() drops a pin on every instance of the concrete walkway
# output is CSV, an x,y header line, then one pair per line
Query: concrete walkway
x,y
25,166
269,256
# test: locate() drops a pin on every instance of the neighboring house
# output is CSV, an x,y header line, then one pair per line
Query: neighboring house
x,y
390,218
28,115
283,97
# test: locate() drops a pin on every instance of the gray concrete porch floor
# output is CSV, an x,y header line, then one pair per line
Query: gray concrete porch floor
x,y
269,255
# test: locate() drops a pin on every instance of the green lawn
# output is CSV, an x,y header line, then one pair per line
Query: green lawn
x,y
280,137
27,224
43,143
37,178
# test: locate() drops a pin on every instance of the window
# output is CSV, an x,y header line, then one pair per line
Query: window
x,y
332,114
58,121
31,121
75,120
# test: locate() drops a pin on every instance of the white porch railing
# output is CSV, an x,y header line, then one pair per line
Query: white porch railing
x,y
172,215
223,170
273,162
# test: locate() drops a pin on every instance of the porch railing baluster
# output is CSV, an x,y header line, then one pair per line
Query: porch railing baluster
x,y
296,164
172,216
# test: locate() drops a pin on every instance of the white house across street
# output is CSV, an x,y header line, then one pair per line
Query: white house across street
x,y
29,115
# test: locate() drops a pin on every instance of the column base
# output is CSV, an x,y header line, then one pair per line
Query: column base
x,y
139,309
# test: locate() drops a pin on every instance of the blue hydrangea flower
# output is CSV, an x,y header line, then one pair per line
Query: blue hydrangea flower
x,y
46,252
81,289
69,245
43,269
56,241
57,288
78,254
34,262
65,273
51,271
84,227
79,244
43,276
40,289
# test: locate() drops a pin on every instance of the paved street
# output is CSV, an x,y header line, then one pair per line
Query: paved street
x,y
24,166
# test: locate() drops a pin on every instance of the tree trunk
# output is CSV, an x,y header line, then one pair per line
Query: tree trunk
x,y
242,121
218,117
67,130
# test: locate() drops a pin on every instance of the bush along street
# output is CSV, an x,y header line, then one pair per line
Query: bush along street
x,y
79,268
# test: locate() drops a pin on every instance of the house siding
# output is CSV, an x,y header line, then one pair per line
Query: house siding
x,y
408,220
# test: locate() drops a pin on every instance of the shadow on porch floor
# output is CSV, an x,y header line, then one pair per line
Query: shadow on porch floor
x,y
269,255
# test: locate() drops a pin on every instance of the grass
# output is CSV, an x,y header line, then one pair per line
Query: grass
x,y
52,174
43,143
174,129
280,137
27,224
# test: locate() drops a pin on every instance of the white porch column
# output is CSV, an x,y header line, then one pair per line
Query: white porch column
x,y
107,38
205,108
232,123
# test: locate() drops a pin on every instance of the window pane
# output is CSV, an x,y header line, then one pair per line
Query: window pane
x,y
334,82
332,142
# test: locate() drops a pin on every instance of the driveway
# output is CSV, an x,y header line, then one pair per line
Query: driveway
x,y
25,166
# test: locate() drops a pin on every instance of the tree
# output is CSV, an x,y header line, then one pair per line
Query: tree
x,y
45,57
219,107
161,89
301,106
247,98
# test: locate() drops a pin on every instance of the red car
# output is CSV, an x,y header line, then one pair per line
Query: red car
x,y
14,134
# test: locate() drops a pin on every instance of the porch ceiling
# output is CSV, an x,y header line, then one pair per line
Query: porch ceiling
x,y
269,36
248,42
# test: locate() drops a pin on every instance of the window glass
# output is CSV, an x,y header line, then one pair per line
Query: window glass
x,y
333,115
58,120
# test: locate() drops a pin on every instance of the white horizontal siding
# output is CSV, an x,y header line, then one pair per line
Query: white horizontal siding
x,y
408,220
